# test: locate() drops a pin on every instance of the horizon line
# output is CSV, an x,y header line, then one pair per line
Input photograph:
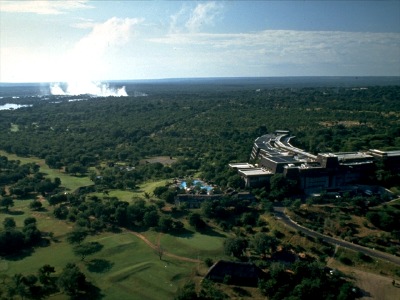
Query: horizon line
x,y
211,77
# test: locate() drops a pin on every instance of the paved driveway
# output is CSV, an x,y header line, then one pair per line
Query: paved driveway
x,y
282,217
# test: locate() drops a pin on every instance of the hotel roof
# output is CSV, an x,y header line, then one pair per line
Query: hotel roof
x,y
255,172
241,165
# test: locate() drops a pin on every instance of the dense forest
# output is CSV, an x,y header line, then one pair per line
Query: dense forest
x,y
208,128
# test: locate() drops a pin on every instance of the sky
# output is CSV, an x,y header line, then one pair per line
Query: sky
x,y
77,41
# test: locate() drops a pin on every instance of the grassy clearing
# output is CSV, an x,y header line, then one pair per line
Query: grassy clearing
x,y
71,183
45,219
197,246
120,194
128,196
14,127
149,187
126,268
165,160
136,270
190,244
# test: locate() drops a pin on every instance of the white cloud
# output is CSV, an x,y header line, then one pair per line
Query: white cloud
x,y
377,53
203,14
175,20
84,23
195,19
43,7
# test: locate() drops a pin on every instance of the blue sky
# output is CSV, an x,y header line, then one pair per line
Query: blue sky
x,y
56,41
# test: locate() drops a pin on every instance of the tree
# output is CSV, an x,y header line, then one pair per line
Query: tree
x,y
196,221
76,168
168,196
31,234
158,191
263,243
165,224
58,198
72,281
20,285
11,241
61,212
178,225
136,210
159,250
150,218
6,202
235,246
187,292
279,186
9,223
35,205
86,249
29,220
77,235
210,291
48,281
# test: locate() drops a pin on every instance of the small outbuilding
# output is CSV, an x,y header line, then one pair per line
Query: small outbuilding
x,y
235,273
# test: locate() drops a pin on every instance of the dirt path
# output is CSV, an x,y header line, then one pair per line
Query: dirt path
x,y
156,247
374,286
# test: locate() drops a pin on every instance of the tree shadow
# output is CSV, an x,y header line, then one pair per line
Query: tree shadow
x,y
20,255
98,265
13,212
183,233
365,294
114,229
139,228
177,214
241,292
211,232
90,292
42,209
44,242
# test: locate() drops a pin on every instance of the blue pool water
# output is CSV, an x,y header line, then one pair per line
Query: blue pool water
x,y
196,182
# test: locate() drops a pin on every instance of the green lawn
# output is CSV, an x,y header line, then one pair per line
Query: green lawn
x,y
137,272
191,244
148,187
126,268
69,182
124,195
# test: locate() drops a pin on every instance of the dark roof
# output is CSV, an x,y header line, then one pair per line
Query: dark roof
x,y
283,159
244,274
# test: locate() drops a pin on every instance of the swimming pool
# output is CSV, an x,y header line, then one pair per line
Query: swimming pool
x,y
196,182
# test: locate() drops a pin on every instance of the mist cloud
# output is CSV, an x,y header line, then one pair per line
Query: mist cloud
x,y
91,88
86,62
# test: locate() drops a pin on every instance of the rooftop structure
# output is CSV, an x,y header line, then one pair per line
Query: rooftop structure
x,y
255,177
275,154
241,166
238,273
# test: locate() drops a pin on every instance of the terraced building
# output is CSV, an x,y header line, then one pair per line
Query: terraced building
x,y
273,153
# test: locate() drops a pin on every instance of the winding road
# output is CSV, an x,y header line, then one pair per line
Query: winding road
x,y
281,216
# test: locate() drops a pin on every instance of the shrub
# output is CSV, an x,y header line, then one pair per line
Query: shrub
x,y
209,262
345,260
